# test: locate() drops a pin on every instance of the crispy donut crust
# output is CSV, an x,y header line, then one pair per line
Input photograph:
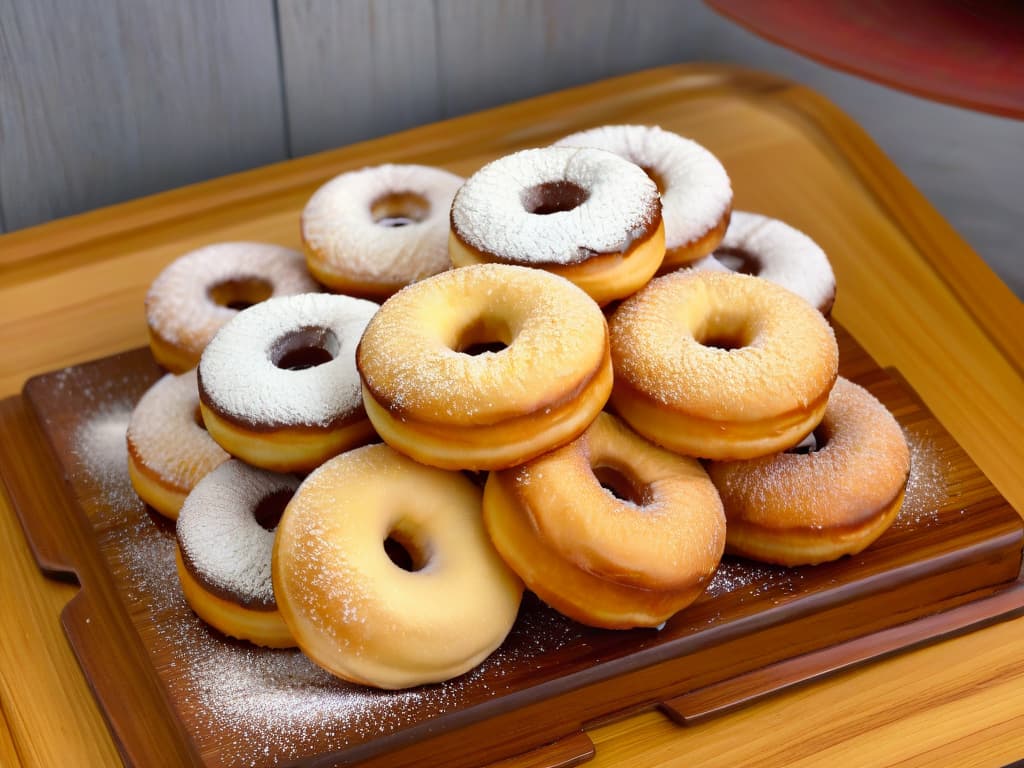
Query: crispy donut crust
x,y
362,617
262,627
803,509
759,385
493,410
605,561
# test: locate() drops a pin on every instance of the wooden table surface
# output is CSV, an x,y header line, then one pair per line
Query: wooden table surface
x,y
910,290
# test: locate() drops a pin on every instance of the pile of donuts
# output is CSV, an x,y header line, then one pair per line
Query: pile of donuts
x,y
579,372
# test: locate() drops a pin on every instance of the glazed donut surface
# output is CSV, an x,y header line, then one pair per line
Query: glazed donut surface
x,y
225,535
370,232
194,296
614,561
696,195
807,508
168,450
774,251
721,366
431,398
584,214
354,610
278,384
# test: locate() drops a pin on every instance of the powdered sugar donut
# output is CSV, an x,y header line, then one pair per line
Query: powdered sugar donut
x,y
197,293
584,214
696,196
807,508
225,536
278,385
168,449
721,366
370,232
773,250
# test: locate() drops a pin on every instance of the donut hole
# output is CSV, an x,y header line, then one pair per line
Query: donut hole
x,y
726,333
813,443
553,197
739,260
405,550
656,177
399,209
483,335
620,484
240,293
268,512
305,348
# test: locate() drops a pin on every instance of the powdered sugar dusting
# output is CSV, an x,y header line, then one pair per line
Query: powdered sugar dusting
x,y
240,379
696,192
926,487
785,255
339,227
219,533
489,213
179,307
165,438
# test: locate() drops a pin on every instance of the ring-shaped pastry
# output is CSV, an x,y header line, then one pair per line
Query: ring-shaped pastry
x,y
434,393
631,559
808,508
359,612
584,214
721,365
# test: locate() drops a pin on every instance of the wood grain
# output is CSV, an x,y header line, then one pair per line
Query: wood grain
x,y
756,629
357,68
99,103
78,284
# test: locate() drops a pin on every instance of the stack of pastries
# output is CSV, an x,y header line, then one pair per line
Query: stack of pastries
x,y
576,382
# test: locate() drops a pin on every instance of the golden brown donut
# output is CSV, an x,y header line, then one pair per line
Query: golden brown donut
x,y
432,398
632,559
361,614
225,539
169,451
808,508
696,195
584,214
194,296
278,385
721,365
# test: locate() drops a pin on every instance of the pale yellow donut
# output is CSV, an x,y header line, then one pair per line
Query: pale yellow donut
x,y
808,508
721,365
431,401
609,562
356,613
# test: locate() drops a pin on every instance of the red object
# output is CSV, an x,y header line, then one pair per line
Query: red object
x,y
964,52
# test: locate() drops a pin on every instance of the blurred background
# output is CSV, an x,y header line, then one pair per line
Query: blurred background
x,y
103,102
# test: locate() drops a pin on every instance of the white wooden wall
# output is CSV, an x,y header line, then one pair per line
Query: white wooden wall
x,y
109,100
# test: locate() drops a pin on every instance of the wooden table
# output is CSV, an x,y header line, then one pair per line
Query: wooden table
x,y
910,290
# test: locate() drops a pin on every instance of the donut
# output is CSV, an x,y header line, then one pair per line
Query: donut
x,y
436,389
808,508
278,386
696,196
431,607
169,451
370,232
584,214
197,293
225,539
721,365
628,557
773,250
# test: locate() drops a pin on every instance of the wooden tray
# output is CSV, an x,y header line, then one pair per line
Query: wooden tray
x,y
166,682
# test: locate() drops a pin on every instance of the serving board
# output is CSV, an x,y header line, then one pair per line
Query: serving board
x,y
172,689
